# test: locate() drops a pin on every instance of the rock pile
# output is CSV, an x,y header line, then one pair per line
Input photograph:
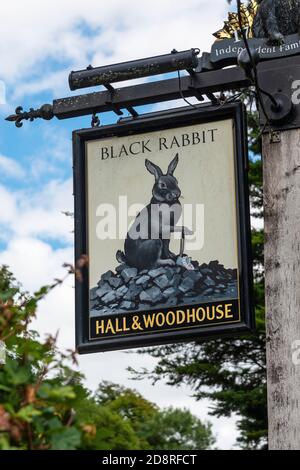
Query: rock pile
x,y
129,290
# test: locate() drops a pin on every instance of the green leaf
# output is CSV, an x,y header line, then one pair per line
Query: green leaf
x,y
61,393
4,443
67,439
55,424
28,413
18,375
4,388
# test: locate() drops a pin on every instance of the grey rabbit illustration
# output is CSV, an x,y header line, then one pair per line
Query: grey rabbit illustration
x,y
154,225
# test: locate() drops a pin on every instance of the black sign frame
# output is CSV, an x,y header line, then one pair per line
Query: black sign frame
x,y
147,123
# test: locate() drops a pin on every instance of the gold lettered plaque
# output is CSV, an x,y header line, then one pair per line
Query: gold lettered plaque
x,y
162,212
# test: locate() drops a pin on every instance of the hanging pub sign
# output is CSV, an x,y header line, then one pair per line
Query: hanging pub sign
x,y
162,211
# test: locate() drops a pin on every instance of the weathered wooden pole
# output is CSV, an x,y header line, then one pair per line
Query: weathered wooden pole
x,y
282,275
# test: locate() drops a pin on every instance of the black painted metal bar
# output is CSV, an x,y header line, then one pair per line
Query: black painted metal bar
x,y
134,69
150,93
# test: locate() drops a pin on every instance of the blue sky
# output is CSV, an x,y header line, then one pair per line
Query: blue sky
x,y
38,48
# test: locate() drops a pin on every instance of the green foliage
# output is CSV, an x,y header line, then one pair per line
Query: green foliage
x,y
34,409
44,406
229,371
176,429
169,429
126,402
106,429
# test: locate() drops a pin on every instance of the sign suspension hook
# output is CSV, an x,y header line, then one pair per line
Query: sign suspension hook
x,y
95,120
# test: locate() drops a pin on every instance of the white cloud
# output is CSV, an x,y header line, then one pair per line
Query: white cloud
x,y
118,31
29,212
34,262
8,208
10,168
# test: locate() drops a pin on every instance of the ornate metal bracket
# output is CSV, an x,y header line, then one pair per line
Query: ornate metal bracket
x,y
44,112
203,82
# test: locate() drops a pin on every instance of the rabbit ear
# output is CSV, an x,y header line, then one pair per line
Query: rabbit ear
x,y
173,165
153,169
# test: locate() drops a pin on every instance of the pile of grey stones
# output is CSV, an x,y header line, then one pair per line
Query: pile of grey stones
x,y
131,290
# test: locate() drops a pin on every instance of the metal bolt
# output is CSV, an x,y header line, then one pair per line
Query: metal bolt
x,y
275,137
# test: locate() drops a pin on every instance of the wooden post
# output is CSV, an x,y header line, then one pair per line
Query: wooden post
x,y
282,271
